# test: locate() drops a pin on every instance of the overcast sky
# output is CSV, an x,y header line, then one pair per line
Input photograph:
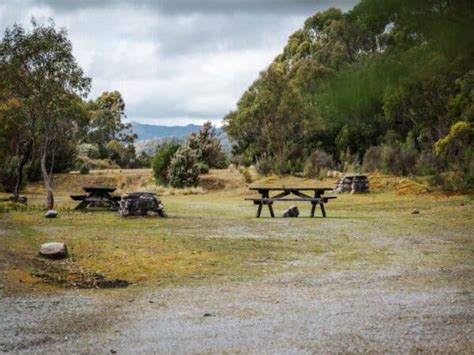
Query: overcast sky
x,y
174,61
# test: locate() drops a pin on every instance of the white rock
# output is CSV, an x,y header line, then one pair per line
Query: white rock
x,y
54,250
51,214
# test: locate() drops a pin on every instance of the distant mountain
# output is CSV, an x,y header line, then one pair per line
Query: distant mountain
x,y
148,131
150,136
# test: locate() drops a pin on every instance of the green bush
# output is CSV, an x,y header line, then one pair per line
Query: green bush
x,y
453,182
265,166
183,170
161,161
318,164
203,168
373,159
84,169
8,175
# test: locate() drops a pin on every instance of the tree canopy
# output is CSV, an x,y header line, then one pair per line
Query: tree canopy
x,y
382,73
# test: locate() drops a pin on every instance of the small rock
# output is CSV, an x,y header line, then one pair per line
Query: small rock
x,y
131,300
51,214
113,351
54,250
207,315
291,211
415,211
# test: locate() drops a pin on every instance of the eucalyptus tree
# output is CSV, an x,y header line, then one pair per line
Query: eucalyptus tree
x,y
38,69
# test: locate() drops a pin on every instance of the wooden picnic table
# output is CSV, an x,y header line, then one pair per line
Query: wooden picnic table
x,y
317,197
97,197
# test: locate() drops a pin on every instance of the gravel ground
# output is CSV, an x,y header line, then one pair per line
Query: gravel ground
x,y
381,312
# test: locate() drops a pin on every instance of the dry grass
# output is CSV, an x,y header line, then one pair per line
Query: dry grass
x,y
213,236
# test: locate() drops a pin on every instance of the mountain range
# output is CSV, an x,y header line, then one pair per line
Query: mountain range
x,y
149,131
150,136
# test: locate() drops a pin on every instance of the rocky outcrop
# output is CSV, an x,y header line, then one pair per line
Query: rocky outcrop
x,y
141,204
54,251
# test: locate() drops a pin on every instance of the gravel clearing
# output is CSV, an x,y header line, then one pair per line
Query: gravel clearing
x,y
381,312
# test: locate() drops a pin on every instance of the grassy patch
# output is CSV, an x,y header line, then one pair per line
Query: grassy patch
x,y
215,237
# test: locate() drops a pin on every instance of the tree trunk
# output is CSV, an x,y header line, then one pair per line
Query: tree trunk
x,y
47,178
19,170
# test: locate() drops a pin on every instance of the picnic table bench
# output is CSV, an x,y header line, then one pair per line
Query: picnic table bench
x,y
97,197
318,197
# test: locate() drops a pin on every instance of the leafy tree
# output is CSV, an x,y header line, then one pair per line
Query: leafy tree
x,y
346,79
106,120
457,146
38,68
162,160
208,146
183,170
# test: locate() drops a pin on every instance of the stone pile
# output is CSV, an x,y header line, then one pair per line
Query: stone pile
x,y
141,204
353,184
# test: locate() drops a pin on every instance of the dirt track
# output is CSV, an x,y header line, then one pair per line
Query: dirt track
x,y
291,313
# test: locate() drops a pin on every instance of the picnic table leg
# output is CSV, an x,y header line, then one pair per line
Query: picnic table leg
x,y
323,210
313,208
259,210
270,207
82,205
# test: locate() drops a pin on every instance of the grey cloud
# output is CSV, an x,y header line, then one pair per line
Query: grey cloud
x,y
209,6
175,61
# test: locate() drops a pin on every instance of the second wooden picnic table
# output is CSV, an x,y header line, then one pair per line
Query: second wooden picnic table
x,y
317,197
97,197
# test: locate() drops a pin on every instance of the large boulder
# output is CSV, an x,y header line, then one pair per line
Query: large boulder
x,y
51,214
291,211
54,250
141,204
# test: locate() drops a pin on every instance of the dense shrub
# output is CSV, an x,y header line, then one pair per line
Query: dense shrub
x,y
318,164
241,160
208,147
395,158
246,175
183,170
162,160
84,169
203,168
349,162
373,159
89,150
265,166
8,176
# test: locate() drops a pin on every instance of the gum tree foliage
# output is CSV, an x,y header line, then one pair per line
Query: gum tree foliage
x,y
38,70
208,147
183,170
106,120
345,80
162,160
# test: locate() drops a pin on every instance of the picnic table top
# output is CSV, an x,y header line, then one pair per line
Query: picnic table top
x,y
99,188
291,188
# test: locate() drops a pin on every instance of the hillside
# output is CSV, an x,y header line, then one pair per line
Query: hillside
x,y
150,136
149,131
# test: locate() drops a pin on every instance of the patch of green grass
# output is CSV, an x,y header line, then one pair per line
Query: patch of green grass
x,y
215,237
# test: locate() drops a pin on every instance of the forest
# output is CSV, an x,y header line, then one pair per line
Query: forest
x,y
387,86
